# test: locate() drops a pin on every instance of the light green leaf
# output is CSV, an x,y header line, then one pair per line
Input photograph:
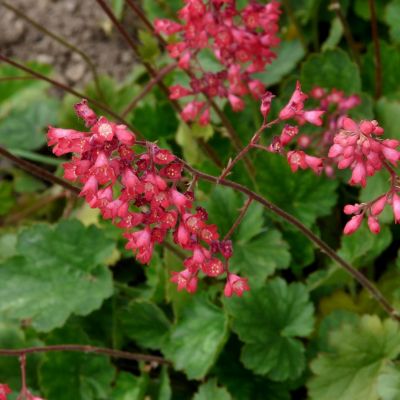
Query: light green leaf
x,y
148,48
145,323
8,245
165,392
58,271
335,34
210,390
362,247
392,18
66,376
118,8
389,383
302,194
269,321
331,69
25,128
289,54
361,351
197,337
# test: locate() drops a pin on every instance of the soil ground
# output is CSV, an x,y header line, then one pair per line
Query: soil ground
x,y
82,23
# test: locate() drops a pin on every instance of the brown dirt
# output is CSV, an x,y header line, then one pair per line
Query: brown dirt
x,y
82,22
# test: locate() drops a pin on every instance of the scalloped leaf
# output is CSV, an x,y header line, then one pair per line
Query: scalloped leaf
x,y
269,320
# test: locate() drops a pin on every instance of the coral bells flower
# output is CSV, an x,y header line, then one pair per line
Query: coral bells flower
x,y
240,40
235,284
359,147
139,193
4,391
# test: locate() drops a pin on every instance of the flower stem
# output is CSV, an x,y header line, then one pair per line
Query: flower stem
x,y
239,219
82,349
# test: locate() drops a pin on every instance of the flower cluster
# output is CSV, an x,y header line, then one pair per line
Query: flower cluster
x,y
294,110
139,193
360,148
240,40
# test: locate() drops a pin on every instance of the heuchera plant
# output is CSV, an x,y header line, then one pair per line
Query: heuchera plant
x,y
139,192
241,42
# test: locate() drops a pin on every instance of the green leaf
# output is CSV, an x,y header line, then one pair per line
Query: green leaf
x,y
361,8
331,69
66,376
186,136
148,48
361,351
197,337
269,321
210,390
118,8
389,383
8,245
260,257
130,387
13,337
390,61
388,114
24,183
20,92
162,8
302,194
7,199
165,392
289,54
145,323
362,247
392,18
258,252
25,128
58,271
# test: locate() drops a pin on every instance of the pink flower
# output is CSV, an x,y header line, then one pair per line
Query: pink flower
x,y
373,225
314,117
185,280
235,284
396,207
4,391
353,224
87,114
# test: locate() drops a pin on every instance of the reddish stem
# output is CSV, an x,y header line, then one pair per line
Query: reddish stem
x,y
82,349
240,217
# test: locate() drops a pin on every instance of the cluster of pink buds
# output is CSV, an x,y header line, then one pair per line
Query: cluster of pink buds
x,y
241,41
294,110
360,148
139,193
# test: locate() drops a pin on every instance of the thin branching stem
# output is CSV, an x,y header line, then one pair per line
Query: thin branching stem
x,y
318,242
83,349
64,42
147,88
239,219
336,7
